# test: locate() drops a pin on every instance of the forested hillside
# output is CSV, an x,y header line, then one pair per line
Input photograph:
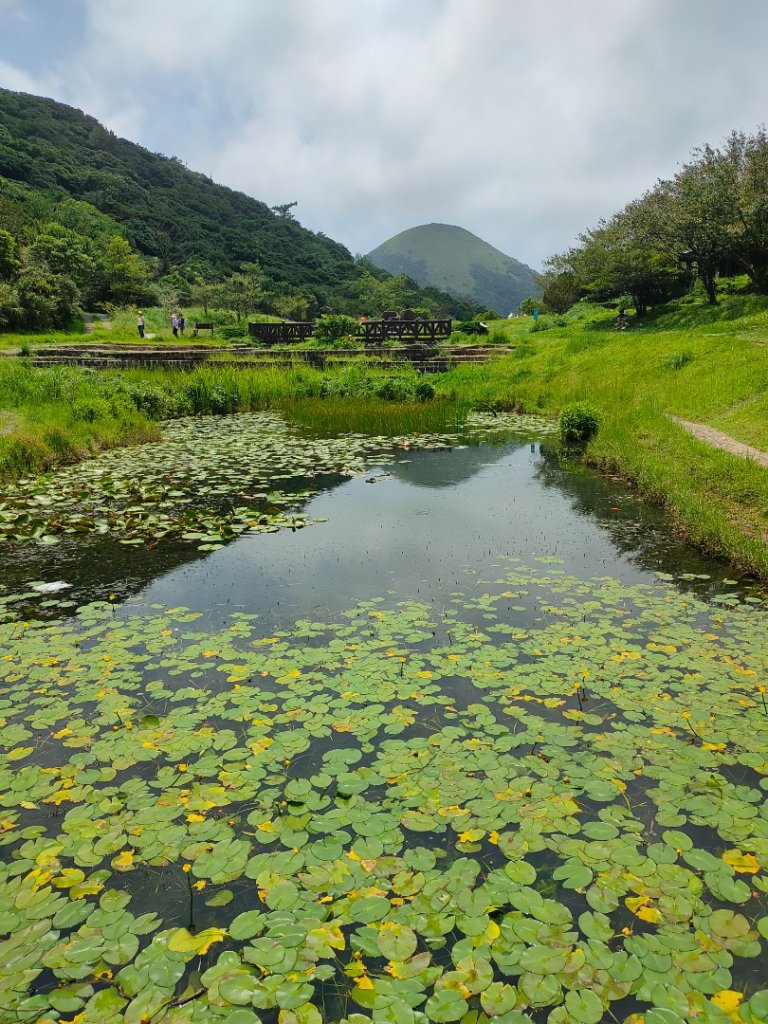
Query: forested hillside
x,y
709,221
87,218
457,261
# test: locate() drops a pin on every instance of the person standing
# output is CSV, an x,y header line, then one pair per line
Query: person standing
x,y
182,324
140,324
175,325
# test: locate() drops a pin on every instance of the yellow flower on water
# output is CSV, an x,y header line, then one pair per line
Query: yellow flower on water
x,y
123,861
186,868
743,862
195,817
729,1001
650,914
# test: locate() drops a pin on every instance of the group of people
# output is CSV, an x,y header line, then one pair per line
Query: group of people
x,y
178,323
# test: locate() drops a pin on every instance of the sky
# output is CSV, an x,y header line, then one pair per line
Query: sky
x,y
523,121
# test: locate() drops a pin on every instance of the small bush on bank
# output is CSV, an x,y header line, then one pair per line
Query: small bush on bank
x,y
334,326
578,422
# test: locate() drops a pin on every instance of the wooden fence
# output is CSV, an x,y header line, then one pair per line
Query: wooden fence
x,y
376,331
371,332
287,333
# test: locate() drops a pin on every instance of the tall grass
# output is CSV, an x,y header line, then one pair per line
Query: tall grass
x,y
335,415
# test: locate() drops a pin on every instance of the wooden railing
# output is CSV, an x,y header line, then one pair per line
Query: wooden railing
x,y
286,333
376,331
371,332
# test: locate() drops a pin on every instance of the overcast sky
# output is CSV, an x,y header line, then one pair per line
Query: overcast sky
x,y
524,121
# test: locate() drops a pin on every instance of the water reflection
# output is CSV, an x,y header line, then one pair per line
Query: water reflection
x,y
428,526
421,526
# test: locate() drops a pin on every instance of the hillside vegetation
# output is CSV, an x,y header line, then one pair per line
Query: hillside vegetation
x,y
87,218
709,221
707,364
456,261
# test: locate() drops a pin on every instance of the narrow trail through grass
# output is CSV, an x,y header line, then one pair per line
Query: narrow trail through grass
x,y
717,439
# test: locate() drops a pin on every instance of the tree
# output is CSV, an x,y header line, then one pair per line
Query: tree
x,y
693,213
9,250
65,252
11,310
46,299
243,292
745,160
624,256
559,290
124,271
284,209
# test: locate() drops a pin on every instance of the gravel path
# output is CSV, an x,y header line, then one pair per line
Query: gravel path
x,y
718,439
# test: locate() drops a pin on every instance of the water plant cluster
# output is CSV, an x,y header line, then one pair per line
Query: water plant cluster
x,y
206,481
545,800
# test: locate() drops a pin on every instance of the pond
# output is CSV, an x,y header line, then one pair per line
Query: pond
x,y
423,728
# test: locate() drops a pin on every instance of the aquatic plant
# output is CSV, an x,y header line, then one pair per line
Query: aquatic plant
x,y
411,813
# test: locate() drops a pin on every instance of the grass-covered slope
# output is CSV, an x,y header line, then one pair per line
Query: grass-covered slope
x,y
166,210
704,364
458,262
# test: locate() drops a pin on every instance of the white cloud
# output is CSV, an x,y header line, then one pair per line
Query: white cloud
x,y
521,120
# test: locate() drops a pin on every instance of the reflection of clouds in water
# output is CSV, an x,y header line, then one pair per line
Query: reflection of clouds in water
x,y
409,534
637,529
421,469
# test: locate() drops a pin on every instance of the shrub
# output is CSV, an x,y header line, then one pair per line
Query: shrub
x,y
677,360
332,326
470,327
87,410
578,422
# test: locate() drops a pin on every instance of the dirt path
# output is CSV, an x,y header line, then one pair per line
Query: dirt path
x,y
718,439
88,323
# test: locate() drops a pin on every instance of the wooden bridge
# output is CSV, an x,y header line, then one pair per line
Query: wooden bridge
x,y
377,331
370,332
286,333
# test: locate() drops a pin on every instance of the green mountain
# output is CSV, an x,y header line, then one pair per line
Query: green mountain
x,y
460,263
167,210
87,218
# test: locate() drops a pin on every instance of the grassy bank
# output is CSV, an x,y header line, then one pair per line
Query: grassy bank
x,y
705,364
59,414
702,363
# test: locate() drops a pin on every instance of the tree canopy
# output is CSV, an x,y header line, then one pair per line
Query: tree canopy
x,y
710,219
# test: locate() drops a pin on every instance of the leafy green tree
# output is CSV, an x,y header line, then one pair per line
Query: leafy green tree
x,y
693,212
65,252
9,252
745,159
46,299
559,291
124,272
11,310
293,306
243,292
624,256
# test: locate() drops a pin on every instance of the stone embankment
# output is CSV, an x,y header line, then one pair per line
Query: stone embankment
x,y
426,359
